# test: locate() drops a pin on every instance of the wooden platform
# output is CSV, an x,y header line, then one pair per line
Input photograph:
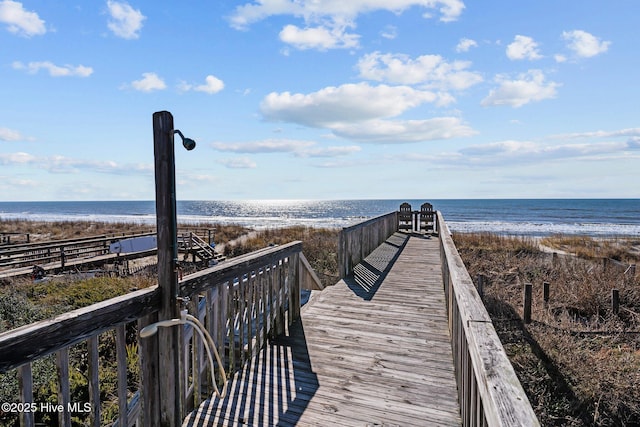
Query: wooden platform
x,y
373,350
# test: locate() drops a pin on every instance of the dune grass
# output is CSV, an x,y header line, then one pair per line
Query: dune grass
x,y
620,249
578,361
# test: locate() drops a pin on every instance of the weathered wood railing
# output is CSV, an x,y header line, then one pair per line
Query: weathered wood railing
x,y
61,251
358,241
489,391
242,302
7,236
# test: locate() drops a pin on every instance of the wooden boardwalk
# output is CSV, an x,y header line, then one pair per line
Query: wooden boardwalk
x,y
373,350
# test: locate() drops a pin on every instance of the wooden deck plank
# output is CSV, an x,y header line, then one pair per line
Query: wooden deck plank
x,y
372,350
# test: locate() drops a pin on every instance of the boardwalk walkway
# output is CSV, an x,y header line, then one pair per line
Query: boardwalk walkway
x,y
373,350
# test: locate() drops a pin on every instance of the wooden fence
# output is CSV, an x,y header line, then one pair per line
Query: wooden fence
x,y
489,391
358,241
242,302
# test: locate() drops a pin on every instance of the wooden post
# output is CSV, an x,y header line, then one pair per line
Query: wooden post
x,y
615,301
528,292
545,293
169,375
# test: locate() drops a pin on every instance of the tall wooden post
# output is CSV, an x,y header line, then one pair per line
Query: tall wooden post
x,y
480,286
528,293
169,375
545,293
615,301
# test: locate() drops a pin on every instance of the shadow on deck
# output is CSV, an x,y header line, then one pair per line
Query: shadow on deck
x,y
273,389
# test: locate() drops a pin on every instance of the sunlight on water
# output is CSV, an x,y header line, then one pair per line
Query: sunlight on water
x,y
516,217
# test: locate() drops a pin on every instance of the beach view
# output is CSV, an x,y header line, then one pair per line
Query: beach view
x,y
308,212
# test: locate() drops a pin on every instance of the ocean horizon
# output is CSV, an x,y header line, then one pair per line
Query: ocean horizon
x,y
528,217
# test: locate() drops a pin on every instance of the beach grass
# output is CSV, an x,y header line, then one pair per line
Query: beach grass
x,y
578,360
626,249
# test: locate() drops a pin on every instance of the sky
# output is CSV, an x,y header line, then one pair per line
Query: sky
x,y
321,99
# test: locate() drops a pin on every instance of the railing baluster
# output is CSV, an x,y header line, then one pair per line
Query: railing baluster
x,y
148,350
242,287
220,326
270,310
196,357
231,320
64,393
25,382
250,308
278,309
121,360
212,327
94,380
294,288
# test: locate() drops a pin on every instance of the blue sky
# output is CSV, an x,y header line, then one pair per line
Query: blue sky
x,y
321,99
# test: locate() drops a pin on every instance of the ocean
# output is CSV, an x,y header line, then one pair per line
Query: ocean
x,y
527,217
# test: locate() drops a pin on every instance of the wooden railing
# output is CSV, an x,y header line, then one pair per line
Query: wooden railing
x,y
489,391
7,238
242,302
358,241
61,251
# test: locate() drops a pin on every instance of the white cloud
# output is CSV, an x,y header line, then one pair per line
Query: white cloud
x,y
585,45
7,134
327,21
264,146
211,86
299,148
335,151
528,152
125,22
431,70
20,158
346,103
8,182
528,87
630,132
321,38
465,44
54,70
361,112
336,10
404,131
238,163
523,47
390,32
149,83
20,21
63,164
560,58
